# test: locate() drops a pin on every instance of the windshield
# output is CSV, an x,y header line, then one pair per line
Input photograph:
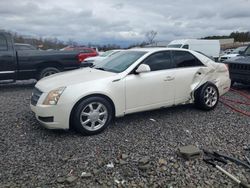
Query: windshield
x,y
174,45
107,53
237,50
120,61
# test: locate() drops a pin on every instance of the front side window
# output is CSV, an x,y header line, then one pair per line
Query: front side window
x,y
247,52
185,59
3,43
120,61
159,61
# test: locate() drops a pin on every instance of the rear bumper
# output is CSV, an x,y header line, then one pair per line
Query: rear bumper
x,y
224,86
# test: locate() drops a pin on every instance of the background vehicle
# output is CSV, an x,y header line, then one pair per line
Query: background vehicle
x,y
36,64
21,46
96,59
130,81
239,67
234,53
208,47
227,51
84,51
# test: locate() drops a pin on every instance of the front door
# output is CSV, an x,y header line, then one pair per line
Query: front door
x,y
152,89
7,59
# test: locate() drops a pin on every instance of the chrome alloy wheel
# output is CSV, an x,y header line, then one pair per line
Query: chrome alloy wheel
x,y
94,116
210,96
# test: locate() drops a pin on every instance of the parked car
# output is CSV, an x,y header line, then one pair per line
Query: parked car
x,y
131,81
85,52
228,51
234,53
209,47
96,59
239,67
27,64
21,46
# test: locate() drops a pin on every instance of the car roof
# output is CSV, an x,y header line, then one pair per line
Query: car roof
x,y
155,49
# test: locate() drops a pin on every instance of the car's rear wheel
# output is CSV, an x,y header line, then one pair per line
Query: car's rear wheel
x,y
207,97
92,115
47,72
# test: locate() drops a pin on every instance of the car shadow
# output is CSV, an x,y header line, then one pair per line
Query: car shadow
x,y
242,87
18,84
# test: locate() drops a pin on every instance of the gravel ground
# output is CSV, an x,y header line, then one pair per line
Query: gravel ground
x,y
138,150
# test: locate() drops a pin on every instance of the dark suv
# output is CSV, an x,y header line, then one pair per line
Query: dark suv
x,y
239,67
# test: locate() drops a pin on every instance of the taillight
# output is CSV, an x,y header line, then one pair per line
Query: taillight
x,y
80,58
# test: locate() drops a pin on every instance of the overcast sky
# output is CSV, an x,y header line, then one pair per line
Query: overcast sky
x,y
124,21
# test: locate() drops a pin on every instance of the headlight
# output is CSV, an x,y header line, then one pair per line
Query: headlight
x,y
53,96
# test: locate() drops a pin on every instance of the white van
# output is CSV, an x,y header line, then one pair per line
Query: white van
x,y
208,47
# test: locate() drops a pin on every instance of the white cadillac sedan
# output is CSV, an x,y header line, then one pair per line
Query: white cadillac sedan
x,y
131,81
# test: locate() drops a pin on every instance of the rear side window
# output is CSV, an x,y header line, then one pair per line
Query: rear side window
x,y
247,52
159,61
186,46
185,59
87,51
3,43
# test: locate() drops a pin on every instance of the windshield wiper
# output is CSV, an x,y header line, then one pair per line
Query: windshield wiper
x,y
99,68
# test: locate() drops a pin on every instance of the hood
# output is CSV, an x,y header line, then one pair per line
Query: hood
x,y
71,77
239,59
96,58
230,55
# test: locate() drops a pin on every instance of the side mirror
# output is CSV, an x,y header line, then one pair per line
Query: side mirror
x,y
241,52
143,68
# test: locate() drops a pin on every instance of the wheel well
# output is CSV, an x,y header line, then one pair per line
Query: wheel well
x,y
49,64
92,95
198,89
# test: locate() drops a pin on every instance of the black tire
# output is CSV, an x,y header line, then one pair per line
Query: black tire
x,y
205,100
232,83
47,72
83,106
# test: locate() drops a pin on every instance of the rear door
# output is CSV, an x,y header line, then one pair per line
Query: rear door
x,y
7,58
188,72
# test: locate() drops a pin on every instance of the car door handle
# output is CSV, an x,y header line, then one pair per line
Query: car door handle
x,y
169,78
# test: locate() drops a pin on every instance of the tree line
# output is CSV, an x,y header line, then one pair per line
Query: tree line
x,y
238,36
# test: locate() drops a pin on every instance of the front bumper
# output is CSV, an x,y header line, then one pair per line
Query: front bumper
x,y
52,117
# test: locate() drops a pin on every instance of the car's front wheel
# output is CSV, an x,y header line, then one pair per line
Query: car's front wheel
x,y
207,97
92,115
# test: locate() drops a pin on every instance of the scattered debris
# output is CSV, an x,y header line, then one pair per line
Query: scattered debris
x,y
162,162
122,162
144,160
110,165
124,156
60,179
151,119
86,175
71,179
189,152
